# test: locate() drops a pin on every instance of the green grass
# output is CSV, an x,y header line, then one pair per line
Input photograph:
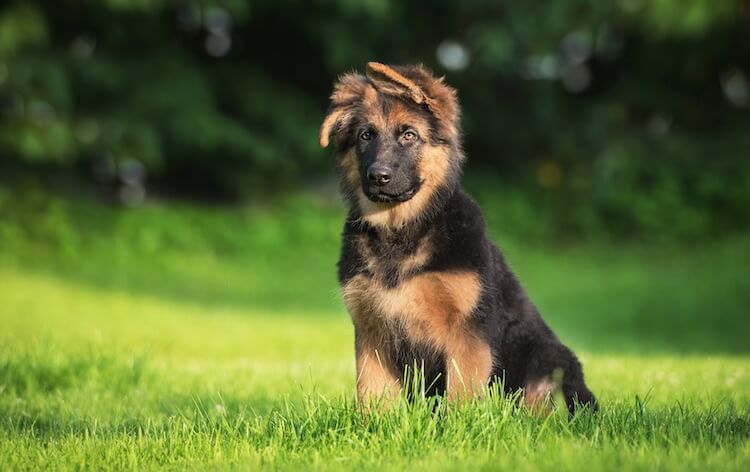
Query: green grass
x,y
181,338
99,379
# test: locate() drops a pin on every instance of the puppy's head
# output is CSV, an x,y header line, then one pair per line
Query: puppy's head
x,y
396,131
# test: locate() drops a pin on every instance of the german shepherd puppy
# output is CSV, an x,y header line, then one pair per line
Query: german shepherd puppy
x,y
420,277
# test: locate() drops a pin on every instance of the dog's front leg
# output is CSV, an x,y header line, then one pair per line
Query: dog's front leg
x,y
468,365
375,379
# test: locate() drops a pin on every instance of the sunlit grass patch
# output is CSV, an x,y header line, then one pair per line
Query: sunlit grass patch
x,y
101,379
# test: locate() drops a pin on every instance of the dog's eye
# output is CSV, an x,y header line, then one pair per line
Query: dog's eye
x,y
366,135
409,135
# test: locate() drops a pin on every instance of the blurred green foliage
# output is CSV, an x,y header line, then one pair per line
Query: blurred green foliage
x,y
280,258
627,115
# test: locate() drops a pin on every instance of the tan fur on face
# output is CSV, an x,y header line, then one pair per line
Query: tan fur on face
x,y
399,115
433,168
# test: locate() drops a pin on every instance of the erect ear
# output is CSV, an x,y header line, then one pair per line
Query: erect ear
x,y
348,92
388,80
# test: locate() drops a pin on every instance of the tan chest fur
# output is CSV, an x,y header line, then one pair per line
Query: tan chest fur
x,y
427,307
431,306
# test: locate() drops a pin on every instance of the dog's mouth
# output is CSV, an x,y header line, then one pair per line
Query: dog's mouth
x,y
386,197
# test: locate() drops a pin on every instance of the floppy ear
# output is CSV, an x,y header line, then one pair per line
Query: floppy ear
x,y
388,80
331,123
347,94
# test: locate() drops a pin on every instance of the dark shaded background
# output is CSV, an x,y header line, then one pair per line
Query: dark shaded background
x,y
620,117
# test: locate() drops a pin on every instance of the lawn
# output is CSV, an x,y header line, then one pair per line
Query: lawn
x,y
183,337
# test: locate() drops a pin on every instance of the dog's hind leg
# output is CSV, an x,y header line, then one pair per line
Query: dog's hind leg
x,y
552,368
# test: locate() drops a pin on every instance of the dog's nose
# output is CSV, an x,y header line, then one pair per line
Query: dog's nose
x,y
379,175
